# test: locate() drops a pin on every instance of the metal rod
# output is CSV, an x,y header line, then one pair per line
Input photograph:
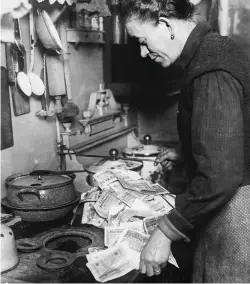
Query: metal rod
x,y
108,157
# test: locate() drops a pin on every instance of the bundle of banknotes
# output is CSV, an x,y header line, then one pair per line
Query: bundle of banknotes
x,y
127,207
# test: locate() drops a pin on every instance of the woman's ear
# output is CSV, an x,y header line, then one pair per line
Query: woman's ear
x,y
167,23
164,20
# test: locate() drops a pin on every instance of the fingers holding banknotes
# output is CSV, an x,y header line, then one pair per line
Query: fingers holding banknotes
x,y
168,158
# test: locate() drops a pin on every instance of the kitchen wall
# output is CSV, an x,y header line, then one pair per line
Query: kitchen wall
x,y
34,137
239,23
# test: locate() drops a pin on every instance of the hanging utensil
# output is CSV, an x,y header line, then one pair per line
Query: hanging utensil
x,y
47,32
6,120
36,83
45,101
44,97
21,103
10,64
56,82
22,78
70,109
60,13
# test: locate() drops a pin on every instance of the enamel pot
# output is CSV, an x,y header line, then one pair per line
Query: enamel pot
x,y
115,163
146,152
45,191
41,214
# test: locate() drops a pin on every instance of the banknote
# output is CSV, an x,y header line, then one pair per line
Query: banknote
x,y
91,195
134,225
117,187
95,249
135,240
129,196
105,201
150,224
104,179
173,261
127,174
119,213
170,199
112,234
159,205
87,212
112,263
159,189
90,216
138,185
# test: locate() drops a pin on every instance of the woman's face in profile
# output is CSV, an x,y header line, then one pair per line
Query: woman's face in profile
x,y
155,41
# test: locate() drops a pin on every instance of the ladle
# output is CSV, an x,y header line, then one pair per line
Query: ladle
x,y
22,78
37,85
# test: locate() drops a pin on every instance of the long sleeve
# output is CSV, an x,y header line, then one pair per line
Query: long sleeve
x,y
217,145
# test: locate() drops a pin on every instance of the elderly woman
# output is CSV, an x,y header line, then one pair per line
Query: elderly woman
x,y
214,131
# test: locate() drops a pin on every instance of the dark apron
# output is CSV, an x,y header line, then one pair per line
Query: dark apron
x,y
222,253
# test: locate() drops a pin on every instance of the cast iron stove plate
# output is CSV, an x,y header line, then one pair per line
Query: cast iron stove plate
x,y
60,247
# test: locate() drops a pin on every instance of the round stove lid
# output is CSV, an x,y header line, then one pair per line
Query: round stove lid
x,y
143,150
117,164
44,180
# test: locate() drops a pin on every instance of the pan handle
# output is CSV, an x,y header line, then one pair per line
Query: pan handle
x,y
28,245
48,172
28,191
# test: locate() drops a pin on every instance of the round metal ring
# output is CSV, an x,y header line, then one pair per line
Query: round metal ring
x,y
50,261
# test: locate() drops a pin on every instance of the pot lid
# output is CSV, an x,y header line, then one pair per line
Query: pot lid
x,y
106,164
44,180
143,150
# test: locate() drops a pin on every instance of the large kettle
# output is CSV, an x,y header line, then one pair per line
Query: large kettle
x,y
9,256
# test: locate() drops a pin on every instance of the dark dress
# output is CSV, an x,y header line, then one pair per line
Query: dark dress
x,y
213,211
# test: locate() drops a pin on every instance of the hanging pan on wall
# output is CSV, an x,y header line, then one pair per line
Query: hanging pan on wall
x,y
46,31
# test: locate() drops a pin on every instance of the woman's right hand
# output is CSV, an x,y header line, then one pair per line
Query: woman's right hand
x,y
168,158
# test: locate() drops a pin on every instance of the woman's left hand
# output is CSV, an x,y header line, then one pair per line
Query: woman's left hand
x,y
155,254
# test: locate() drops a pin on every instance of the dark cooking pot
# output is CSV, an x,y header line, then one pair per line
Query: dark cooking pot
x,y
41,214
26,191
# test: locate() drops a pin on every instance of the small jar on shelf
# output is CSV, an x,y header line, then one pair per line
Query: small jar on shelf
x,y
89,21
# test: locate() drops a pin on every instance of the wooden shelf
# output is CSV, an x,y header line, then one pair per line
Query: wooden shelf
x,y
85,36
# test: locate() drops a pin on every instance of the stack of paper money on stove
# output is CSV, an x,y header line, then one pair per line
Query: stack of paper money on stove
x,y
127,207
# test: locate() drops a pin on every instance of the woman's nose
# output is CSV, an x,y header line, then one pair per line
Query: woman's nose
x,y
144,51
